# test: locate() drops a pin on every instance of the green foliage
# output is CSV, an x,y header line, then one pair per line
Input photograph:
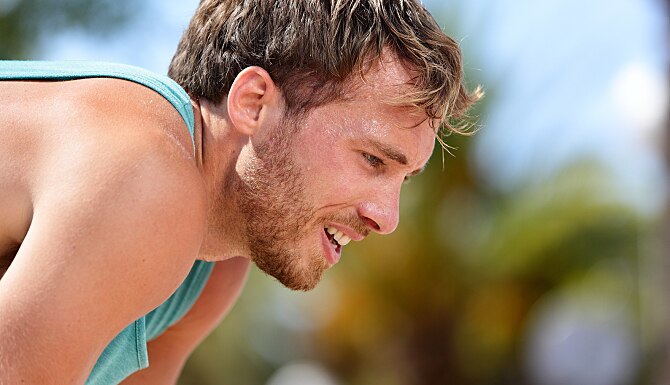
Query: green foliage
x,y
448,298
445,300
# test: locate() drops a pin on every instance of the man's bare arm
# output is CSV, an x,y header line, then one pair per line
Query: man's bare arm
x,y
168,353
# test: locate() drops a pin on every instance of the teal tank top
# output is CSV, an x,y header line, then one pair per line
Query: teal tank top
x,y
127,352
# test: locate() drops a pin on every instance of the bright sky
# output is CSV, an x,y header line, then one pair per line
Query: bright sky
x,y
149,41
567,78
571,79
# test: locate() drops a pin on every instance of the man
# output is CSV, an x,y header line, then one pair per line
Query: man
x,y
306,116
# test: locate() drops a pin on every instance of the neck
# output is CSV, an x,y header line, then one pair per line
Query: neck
x,y
216,154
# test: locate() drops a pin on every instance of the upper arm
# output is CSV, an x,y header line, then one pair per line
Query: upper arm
x,y
114,232
168,352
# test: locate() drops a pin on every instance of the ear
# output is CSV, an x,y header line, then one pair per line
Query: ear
x,y
252,100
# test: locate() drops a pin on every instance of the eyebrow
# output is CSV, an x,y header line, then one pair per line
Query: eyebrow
x,y
395,155
390,152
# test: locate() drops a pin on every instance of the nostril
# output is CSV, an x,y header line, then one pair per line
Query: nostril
x,y
371,223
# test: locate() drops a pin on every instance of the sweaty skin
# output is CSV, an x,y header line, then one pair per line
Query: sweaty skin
x,y
101,192
105,206
349,159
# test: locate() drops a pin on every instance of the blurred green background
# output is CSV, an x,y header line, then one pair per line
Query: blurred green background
x,y
533,255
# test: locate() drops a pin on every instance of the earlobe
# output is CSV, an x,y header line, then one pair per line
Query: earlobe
x,y
251,97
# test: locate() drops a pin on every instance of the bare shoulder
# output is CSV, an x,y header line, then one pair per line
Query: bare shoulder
x,y
126,155
117,217
124,162
108,142
129,112
71,131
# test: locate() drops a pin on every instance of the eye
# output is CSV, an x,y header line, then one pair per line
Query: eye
x,y
373,160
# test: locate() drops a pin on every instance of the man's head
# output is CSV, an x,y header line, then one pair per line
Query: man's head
x,y
312,49
364,86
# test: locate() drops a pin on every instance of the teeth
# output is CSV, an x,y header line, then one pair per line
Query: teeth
x,y
338,236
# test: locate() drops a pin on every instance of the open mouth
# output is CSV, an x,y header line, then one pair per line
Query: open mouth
x,y
336,238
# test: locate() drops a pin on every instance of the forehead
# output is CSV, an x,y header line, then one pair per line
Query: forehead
x,y
380,90
386,81
369,113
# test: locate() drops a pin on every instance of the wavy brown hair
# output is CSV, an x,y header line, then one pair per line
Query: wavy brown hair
x,y
312,48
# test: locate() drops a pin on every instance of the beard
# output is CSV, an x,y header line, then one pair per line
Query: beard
x,y
271,198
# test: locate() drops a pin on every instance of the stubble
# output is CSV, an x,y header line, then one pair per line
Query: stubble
x,y
271,197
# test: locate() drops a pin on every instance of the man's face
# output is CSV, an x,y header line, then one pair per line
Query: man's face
x,y
333,177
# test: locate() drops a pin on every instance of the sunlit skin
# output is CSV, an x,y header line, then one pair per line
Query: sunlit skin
x,y
104,200
351,158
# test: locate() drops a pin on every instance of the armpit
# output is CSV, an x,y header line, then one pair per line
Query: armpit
x,y
6,257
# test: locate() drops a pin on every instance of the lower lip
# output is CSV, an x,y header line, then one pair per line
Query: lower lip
x,y
331,255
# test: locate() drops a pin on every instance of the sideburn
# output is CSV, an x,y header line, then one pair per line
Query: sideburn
x,y
271,197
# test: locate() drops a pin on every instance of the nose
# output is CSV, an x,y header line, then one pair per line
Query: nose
x,y
381,212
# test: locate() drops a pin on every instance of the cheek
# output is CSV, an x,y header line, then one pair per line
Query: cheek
x,y
329,175
331,170
317,158
332,177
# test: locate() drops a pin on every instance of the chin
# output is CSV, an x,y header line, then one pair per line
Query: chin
x,y
300,273
301,286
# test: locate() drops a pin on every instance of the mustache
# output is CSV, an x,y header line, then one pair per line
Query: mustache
x,y
352,221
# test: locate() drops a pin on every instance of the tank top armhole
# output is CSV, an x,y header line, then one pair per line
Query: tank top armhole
x,y
126,354
141,343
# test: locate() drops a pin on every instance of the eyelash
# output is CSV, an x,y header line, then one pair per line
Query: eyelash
x,y
377,163
374,161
